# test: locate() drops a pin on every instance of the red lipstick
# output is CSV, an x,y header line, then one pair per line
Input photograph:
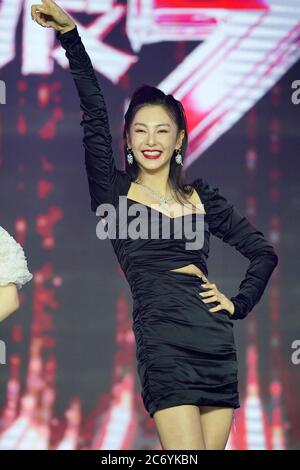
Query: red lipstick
x,y
152,154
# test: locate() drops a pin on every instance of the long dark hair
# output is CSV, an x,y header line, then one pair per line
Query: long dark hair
x,y
147,94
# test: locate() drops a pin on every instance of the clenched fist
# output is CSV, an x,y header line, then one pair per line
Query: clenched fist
x,y
50,15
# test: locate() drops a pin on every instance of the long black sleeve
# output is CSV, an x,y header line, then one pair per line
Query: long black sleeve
x,y
104,179
226,223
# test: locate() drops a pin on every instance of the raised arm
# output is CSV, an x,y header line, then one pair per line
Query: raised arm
x,y
105,181
226,223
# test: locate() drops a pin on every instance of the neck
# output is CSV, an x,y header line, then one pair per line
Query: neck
x,y
158,181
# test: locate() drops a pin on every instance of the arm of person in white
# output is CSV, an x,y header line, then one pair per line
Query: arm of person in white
x,y
13,273
9,300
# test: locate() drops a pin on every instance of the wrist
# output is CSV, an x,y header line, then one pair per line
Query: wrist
x,y
240,311
67,28
231,308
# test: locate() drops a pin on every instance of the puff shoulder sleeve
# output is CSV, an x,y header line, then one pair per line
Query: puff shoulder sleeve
x,y
104,179
13,264
228,224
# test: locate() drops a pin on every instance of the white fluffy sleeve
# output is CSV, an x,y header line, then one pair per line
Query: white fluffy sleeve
x,y
13,264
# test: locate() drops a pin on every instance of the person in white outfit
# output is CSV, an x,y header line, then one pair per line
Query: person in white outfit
x,y
13,273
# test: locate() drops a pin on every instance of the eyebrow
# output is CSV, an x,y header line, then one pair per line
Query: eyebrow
x,y
141,124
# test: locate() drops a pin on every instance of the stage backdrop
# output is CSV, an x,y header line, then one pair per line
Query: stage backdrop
x,y
68,375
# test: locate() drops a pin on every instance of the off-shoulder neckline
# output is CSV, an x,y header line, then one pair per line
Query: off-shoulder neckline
x,y
160,212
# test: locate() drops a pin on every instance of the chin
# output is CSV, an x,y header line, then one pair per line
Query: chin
x,y
154,163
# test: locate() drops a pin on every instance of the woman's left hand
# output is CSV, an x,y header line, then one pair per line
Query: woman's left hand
x,y
214,295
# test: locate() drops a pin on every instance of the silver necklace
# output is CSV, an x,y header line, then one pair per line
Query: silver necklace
x,y
162,199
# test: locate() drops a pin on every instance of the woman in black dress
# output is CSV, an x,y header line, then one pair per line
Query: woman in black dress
x,y
183,325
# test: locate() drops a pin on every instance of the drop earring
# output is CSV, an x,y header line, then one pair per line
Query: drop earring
x,y
178,157
129,157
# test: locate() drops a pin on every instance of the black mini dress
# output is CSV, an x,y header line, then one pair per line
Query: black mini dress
x,y
185,353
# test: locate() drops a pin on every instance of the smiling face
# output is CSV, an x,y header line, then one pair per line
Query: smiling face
x,y
153,129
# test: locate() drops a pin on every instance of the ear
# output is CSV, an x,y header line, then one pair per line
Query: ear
x,y
180,138
128,140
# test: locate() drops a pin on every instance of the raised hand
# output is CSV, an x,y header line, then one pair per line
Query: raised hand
x,y
50,15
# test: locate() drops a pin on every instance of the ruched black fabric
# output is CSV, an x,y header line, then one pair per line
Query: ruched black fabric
x,y
185,353
226,223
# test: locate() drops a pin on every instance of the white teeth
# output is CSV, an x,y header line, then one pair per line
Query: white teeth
x,y
152,153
